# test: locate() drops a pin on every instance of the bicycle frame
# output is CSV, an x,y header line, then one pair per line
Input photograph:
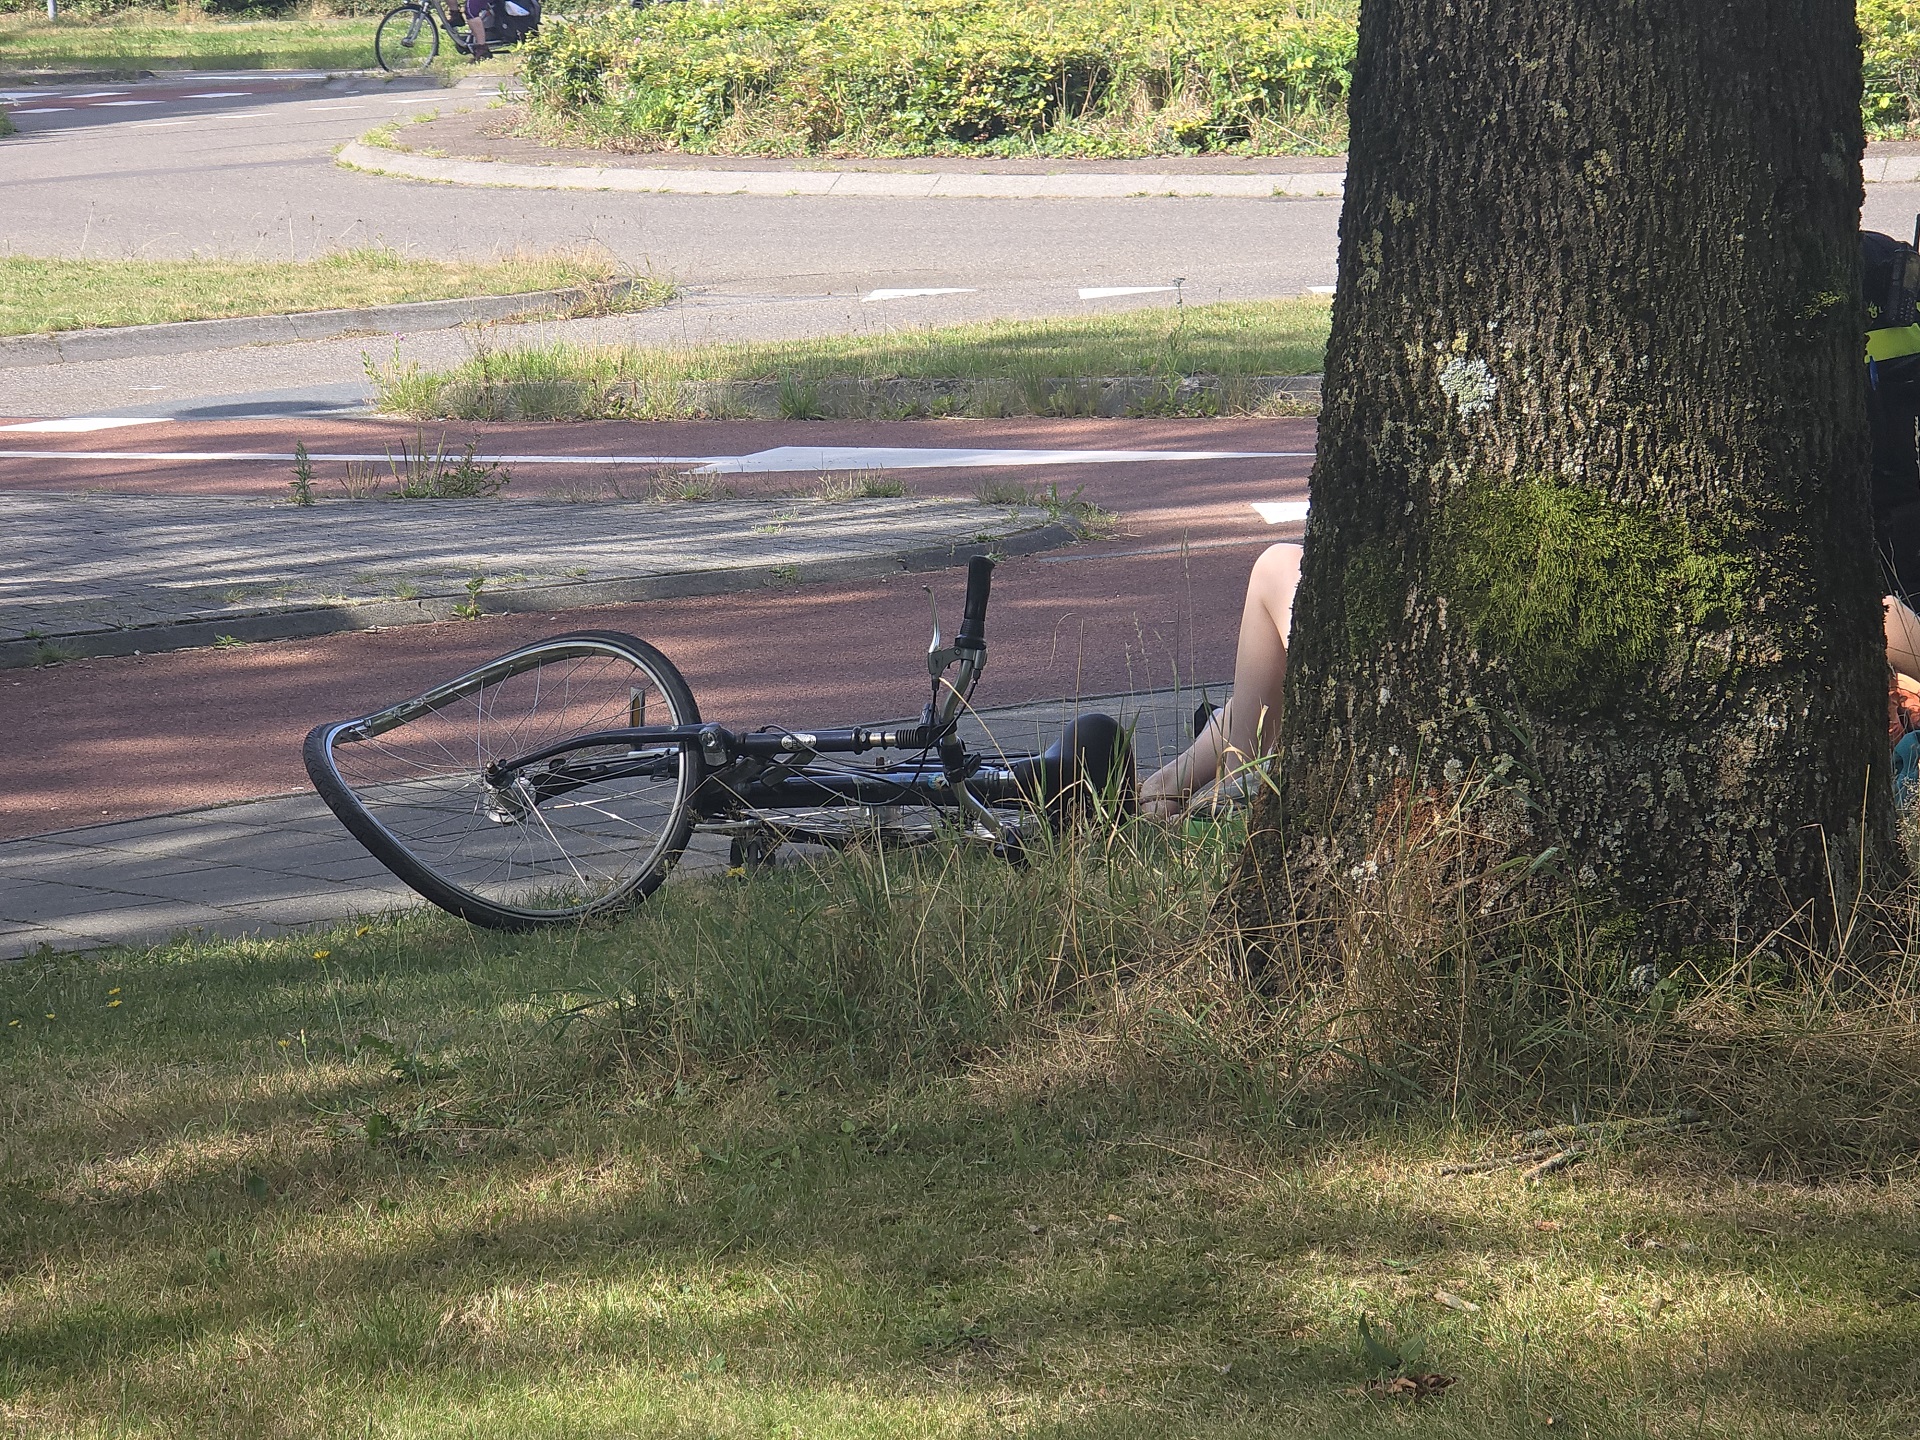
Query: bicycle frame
x,y
763,770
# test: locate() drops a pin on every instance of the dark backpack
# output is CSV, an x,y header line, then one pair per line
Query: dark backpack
x,y
1889,281
512,28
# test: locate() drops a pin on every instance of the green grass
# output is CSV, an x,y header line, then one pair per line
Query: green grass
x,y
39,296
158,40
782,1158
1001,366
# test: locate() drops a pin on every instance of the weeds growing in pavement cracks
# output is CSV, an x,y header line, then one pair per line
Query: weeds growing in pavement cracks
x,y
1084,515
784,575
469,609
859,485
301,486
415,472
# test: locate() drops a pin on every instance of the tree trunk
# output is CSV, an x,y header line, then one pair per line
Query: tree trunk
x,y
1590,539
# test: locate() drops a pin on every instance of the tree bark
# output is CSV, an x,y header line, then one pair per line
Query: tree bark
x,y
1590,541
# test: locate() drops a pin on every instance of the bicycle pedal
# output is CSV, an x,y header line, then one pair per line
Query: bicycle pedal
x,y
1202,713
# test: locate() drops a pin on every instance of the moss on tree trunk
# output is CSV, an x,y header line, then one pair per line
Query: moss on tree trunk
x,y
1590,506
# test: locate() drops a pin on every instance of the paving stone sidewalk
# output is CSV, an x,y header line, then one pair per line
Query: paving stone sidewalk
x,y
100,574
269,866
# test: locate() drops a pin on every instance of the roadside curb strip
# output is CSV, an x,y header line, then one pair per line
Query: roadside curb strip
x,y
869,184
309,621
72,77
188,336
906,184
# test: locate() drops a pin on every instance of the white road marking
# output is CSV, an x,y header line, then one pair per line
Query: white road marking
x,y
341,105
78,425
159,124
114,104
236,115
416,100
1321,289
785,459
46,110
1281,512
788,458
1107,292
219,95
97,95
910,294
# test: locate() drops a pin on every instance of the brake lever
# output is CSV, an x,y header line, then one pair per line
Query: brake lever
x,y
938,657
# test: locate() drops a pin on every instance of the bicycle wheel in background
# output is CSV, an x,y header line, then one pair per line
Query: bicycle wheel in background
x,y
585,833
407,39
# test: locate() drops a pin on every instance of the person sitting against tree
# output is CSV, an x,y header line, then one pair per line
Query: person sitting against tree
x,y
1240,736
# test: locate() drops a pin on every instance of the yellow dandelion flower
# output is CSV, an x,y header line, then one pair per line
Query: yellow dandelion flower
x,y
321,954
363,930
113,1004
49,1014
114,991
283,1044
13,1022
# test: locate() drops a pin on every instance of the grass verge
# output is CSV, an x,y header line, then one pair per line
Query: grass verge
x,y
998,367
158,40
783,1157
40,296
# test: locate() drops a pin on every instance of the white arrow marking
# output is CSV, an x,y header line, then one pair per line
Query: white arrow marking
x,y
910,294
77,426
1281,512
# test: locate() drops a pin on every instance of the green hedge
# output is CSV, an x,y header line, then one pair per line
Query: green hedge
x,y
925,76
1073,77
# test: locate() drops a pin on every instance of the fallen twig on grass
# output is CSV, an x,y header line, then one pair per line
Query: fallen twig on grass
x,y
1560,1147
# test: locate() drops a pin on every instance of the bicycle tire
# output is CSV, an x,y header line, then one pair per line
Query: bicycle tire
x,y
409,782
409,46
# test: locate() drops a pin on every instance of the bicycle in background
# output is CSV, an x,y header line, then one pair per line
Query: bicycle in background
x,y
407,39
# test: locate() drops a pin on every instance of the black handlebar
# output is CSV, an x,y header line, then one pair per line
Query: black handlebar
x,y
973,623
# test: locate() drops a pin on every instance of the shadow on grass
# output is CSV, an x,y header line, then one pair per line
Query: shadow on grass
x,y
202,1231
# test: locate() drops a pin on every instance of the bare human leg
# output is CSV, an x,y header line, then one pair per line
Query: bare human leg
x,y
1903,637
1247,727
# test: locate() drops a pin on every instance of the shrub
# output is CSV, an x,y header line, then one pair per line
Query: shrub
x,y
921,76
1008,76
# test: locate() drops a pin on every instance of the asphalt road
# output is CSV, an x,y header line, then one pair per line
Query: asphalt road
x,y
244,167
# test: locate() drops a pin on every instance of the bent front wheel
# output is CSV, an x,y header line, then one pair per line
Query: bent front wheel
x,y
407,40
584,832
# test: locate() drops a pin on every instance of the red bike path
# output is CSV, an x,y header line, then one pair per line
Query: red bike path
x,y
1155,604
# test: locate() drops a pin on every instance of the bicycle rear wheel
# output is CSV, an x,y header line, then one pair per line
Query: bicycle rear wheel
x,y
583,834
407,39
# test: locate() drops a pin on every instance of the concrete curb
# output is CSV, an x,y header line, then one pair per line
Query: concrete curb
x,y
1882,169
308,621
857,184
188,336
1890,169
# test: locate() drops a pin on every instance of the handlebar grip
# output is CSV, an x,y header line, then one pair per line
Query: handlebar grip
x,y
973,622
